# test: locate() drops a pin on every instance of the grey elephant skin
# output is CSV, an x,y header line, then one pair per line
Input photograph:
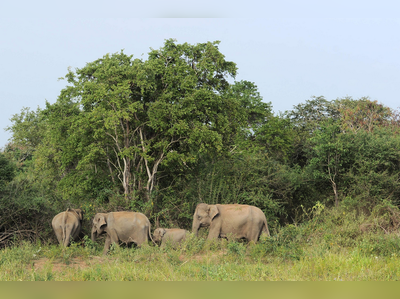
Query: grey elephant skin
x,y
127,227
238,221
172,235
67,225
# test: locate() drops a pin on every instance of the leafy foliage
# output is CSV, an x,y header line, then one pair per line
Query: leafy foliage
x,y
7,172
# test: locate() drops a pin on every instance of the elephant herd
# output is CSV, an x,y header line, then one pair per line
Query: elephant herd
x,y
230,220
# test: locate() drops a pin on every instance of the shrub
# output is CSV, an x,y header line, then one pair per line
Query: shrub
x,y
286,244
380,245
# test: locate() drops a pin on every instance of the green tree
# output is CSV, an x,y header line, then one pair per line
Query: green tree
x,y
373,172
27,133
7,172
276,137
308,116
260,130
356,153
305,119
363,114
327,154
139,115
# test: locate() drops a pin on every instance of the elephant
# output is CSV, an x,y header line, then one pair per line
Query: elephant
x,y
173,235
127,227
67,225
238,221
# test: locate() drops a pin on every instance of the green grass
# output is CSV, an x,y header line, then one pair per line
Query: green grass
x,y
153,264
330,246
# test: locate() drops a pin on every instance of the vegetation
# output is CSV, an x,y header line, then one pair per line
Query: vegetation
x,y
160,135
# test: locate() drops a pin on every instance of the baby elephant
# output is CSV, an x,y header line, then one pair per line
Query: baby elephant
x,y
173,235
67,225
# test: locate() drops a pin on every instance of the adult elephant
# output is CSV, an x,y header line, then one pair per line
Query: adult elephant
x,y
127,227
173,235
67,225
240,221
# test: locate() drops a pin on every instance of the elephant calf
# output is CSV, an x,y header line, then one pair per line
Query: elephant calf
x,y
67,225
173,235
127,227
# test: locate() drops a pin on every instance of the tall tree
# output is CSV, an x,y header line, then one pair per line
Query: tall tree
x,y
305,119
27,131
137,115
363,114
327,154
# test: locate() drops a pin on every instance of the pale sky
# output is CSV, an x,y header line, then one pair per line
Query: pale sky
x,y
289,58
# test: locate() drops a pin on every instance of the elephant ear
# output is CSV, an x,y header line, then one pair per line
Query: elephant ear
x,y
102,221
163,232
213,211
80,214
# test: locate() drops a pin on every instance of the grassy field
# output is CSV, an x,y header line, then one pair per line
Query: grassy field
x,y
338,247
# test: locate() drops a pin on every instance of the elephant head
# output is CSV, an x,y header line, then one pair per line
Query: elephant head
x,y
99,225
79,212
203,216
159,234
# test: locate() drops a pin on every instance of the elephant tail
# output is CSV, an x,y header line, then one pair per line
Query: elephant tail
x,y
63,224
65,233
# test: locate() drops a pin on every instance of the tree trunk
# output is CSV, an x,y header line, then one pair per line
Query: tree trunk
x,y
126,178
336,194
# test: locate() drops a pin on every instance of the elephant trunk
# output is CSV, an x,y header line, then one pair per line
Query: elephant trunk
x,y
195,227
94,234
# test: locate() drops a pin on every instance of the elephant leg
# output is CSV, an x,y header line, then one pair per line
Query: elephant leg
x,y
252,240
141,236
163,242
74,233
112,238
254,234
107,244
214,232
59,236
